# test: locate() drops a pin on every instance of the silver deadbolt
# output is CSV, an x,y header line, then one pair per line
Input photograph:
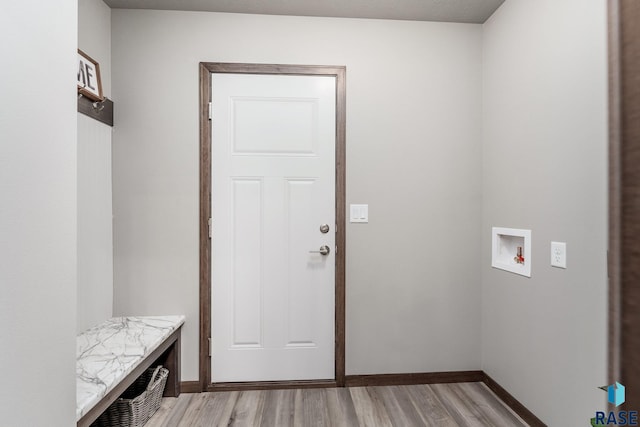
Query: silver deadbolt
x,y
324,250
324,228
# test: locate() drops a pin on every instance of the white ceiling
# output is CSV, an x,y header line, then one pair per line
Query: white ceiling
x,y
473,11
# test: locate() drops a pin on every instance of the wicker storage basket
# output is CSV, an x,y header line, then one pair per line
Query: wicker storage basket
x,y
138,403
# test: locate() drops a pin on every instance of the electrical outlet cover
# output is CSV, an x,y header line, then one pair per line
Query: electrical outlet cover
x,y
559,254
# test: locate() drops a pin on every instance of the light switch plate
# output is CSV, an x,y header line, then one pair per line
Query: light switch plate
x,y
359,213
559,254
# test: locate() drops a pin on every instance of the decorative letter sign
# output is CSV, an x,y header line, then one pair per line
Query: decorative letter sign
x,y
89,83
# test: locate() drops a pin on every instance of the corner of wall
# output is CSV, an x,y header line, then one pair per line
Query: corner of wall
x,y
95,213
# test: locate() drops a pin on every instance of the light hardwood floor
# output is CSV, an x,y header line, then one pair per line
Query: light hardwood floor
x,y
447,405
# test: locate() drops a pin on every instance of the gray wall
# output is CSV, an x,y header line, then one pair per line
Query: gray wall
x,y
413,154
38,213
94,37
545,155
95,213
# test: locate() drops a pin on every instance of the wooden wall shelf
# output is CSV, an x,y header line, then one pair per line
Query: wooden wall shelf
x,y
102,111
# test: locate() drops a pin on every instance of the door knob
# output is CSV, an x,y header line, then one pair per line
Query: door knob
x,y
324,250
324,228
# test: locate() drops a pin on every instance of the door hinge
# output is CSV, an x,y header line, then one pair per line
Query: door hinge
x,y
209,225
209,351
210,110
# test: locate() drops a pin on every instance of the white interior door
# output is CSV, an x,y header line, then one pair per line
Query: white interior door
x,y
272,187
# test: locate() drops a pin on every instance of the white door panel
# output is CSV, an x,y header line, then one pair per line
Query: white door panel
x,y
273,185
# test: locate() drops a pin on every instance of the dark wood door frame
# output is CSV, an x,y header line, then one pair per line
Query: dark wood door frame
x,y
624,198
339,72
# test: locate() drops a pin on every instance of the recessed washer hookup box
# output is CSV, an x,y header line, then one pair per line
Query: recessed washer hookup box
x,y
511,250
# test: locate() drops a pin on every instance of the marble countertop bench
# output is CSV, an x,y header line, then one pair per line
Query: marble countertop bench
x,y
107,353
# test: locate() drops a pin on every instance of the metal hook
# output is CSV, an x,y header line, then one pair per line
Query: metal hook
x,y
98,106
